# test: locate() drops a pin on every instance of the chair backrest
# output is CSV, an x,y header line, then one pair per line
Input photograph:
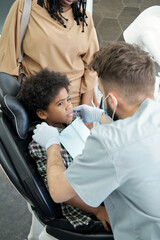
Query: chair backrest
x,y
14,157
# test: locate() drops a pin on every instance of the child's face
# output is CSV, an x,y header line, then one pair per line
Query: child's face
x,y
60,110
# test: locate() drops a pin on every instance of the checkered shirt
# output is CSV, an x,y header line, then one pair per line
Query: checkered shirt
x,y
74,215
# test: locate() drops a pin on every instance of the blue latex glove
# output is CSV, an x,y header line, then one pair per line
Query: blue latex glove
x,y
88,113
45,135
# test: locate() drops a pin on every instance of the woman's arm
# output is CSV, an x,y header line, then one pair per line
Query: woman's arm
x,y
89,78
9,42
87,98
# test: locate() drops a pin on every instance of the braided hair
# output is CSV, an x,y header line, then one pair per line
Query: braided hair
x,y
55,9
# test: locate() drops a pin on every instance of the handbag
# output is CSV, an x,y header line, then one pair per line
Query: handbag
x,y
23,28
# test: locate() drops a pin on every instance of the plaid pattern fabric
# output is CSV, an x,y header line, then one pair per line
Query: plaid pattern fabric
x,y
74,215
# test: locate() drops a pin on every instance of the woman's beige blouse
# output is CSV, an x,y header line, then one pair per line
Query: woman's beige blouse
x,y
47,44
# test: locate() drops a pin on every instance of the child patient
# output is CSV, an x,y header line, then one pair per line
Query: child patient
x,y
46,95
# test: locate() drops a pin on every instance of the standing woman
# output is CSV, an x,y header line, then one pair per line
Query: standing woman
x,y
60,36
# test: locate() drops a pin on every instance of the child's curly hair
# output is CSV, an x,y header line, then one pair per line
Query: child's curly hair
x,y
40,89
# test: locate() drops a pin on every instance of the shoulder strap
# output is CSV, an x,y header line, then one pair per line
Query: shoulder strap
x,y
23,26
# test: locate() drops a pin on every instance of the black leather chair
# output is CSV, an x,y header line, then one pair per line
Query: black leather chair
x,y
15,134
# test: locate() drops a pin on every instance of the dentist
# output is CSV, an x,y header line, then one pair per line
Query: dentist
x,y
120,164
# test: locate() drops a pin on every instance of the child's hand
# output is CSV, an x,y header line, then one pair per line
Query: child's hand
x,y
102,215
45,135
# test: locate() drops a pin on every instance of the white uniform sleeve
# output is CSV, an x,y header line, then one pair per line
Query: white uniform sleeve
x,y
92,174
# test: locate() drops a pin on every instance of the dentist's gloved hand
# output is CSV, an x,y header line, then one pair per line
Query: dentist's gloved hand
x,y
88,113
45,135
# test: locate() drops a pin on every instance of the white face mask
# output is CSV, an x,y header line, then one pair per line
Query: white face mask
x,y
105,109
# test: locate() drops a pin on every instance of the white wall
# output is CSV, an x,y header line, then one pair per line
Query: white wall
x,y
4,9
90,6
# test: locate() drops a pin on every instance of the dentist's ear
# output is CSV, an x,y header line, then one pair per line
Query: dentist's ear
x,y
114,100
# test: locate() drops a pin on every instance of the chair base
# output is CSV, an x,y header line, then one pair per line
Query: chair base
x,y
62,234
45,236
36,226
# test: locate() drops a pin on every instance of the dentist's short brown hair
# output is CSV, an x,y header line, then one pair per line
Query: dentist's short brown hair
x,y
126,68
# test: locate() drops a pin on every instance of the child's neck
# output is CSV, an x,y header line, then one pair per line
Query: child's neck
x,y
58,125
61,125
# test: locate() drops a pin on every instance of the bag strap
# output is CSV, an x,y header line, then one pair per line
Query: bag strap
x,y
23,26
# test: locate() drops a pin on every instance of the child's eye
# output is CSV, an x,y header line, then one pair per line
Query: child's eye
x,y
69,99
60,103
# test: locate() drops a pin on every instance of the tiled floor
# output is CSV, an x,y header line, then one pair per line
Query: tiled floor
x,y
15,219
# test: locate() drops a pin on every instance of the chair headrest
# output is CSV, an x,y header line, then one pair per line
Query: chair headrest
x,y
8,84
15,110
11,106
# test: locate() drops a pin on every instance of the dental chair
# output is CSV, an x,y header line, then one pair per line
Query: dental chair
x,y
145,32
16,127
